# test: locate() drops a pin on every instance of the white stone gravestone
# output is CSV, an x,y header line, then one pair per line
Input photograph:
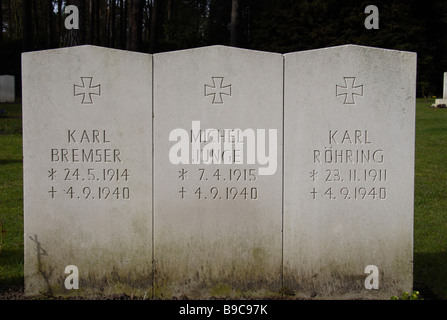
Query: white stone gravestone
x,y
348,172
444,98
87,171
7,89
217,172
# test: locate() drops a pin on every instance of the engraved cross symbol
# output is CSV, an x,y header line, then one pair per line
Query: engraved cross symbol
x,y
217,90
349,90
87,90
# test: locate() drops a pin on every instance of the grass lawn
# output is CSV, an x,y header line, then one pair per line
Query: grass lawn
x,y
11,196
430,204
430,215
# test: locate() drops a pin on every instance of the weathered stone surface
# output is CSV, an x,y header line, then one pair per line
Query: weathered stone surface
x,y
348,171
217,225
164,174
87,170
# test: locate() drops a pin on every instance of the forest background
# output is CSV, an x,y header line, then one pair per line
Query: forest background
x,y
281,26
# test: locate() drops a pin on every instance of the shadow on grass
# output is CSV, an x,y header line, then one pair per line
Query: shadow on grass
x,y
11,262
10,161
430,275
16,281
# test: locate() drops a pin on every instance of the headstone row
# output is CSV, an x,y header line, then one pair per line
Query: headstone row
x,y
219,172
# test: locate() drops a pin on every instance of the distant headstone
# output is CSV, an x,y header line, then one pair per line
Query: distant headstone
x,y
87,171
7,89
348,172
443,101
445,86
217,172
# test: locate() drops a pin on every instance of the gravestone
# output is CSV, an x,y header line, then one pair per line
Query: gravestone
x,y
445,86
348,172
217,172
7,89
87,171
444,98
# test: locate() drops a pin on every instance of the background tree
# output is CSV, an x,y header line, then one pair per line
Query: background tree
x,y
1,21
218,21
234,22
123,23
155,12
50,24
27,26
135,25
76,37
59,21
112,25
278,26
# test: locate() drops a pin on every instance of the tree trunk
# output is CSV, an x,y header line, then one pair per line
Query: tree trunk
x,y
154,27
76,37
10,19
59,21
123,23
50,24
91,17
234,22
97,39
112,25
106,34
135,25
83,20
35,20
1,21
27,26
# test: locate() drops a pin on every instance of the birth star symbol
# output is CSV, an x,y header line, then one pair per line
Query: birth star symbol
x,y
349,90
217,90
183,174
87,90
52,174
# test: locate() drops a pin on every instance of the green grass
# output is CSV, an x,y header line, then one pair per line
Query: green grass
x,y
10,119
430,212
11,196
430,215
